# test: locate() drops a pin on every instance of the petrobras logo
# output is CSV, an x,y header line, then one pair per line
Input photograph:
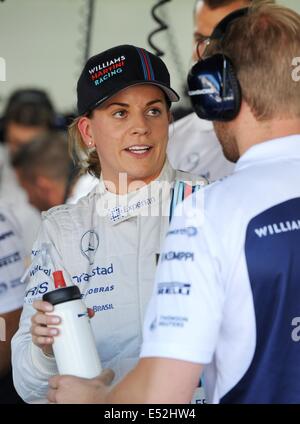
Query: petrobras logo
x,y
89,244
188,231
36,292
174,288
177,256
84,277
101,308
96,290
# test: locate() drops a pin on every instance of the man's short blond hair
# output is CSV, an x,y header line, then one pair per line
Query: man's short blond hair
x,y
262,46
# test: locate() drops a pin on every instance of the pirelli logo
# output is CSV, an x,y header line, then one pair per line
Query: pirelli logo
x,y
174,288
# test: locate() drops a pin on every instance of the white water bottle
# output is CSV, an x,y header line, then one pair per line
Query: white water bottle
x,y
74,347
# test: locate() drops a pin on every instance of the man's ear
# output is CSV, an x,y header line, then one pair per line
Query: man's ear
x,y
170,117
50,190
85,128
43,184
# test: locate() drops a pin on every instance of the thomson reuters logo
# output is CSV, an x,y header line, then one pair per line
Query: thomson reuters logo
x,y
2,69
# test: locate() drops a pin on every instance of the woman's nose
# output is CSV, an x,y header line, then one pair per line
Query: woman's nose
x,y
140,125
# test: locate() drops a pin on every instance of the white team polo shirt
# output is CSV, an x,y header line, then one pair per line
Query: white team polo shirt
x,y
11,263
227,291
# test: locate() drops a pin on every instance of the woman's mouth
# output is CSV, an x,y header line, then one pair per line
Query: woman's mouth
x,y
139,150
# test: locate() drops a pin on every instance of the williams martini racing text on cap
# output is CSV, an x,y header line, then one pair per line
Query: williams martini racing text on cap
x,y
117,68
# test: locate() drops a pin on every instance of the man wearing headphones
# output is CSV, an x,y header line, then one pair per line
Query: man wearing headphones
x,y
232,311
193,145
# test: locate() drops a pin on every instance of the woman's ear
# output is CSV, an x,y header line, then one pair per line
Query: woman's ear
x,y
85,128
170,117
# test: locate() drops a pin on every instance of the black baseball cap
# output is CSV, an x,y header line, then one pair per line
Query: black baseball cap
x,y
106,73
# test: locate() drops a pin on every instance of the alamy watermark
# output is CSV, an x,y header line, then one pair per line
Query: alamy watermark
x,y
296,331
2,330
296,70
2,69
149,200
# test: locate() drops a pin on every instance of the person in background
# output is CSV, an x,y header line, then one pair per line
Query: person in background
x,y
11,296
239,312
193,145
107,244
46,171
28,114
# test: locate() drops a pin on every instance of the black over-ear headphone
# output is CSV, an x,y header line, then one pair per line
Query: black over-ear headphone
x,y
213,85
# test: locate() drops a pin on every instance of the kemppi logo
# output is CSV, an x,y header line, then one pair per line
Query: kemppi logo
x,y
2,330
2,69
178,256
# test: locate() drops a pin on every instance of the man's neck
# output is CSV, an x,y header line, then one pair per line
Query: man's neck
x,y
251,131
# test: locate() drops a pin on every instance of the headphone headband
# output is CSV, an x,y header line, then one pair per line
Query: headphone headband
x,y
213,85
222,26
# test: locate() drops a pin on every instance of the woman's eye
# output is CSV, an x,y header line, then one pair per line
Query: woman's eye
x,y
119,113
154,112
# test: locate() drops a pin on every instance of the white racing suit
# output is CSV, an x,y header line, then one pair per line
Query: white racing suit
x,y
108,245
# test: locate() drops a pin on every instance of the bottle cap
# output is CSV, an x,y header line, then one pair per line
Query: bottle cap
x,y
59,280
65,294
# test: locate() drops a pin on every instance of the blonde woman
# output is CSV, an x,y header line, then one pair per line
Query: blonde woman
x,y
109,242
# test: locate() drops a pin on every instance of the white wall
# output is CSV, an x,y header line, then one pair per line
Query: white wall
x,y
41,40
294,4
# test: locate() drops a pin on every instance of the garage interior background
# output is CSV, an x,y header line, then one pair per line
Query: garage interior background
x,y
42,42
